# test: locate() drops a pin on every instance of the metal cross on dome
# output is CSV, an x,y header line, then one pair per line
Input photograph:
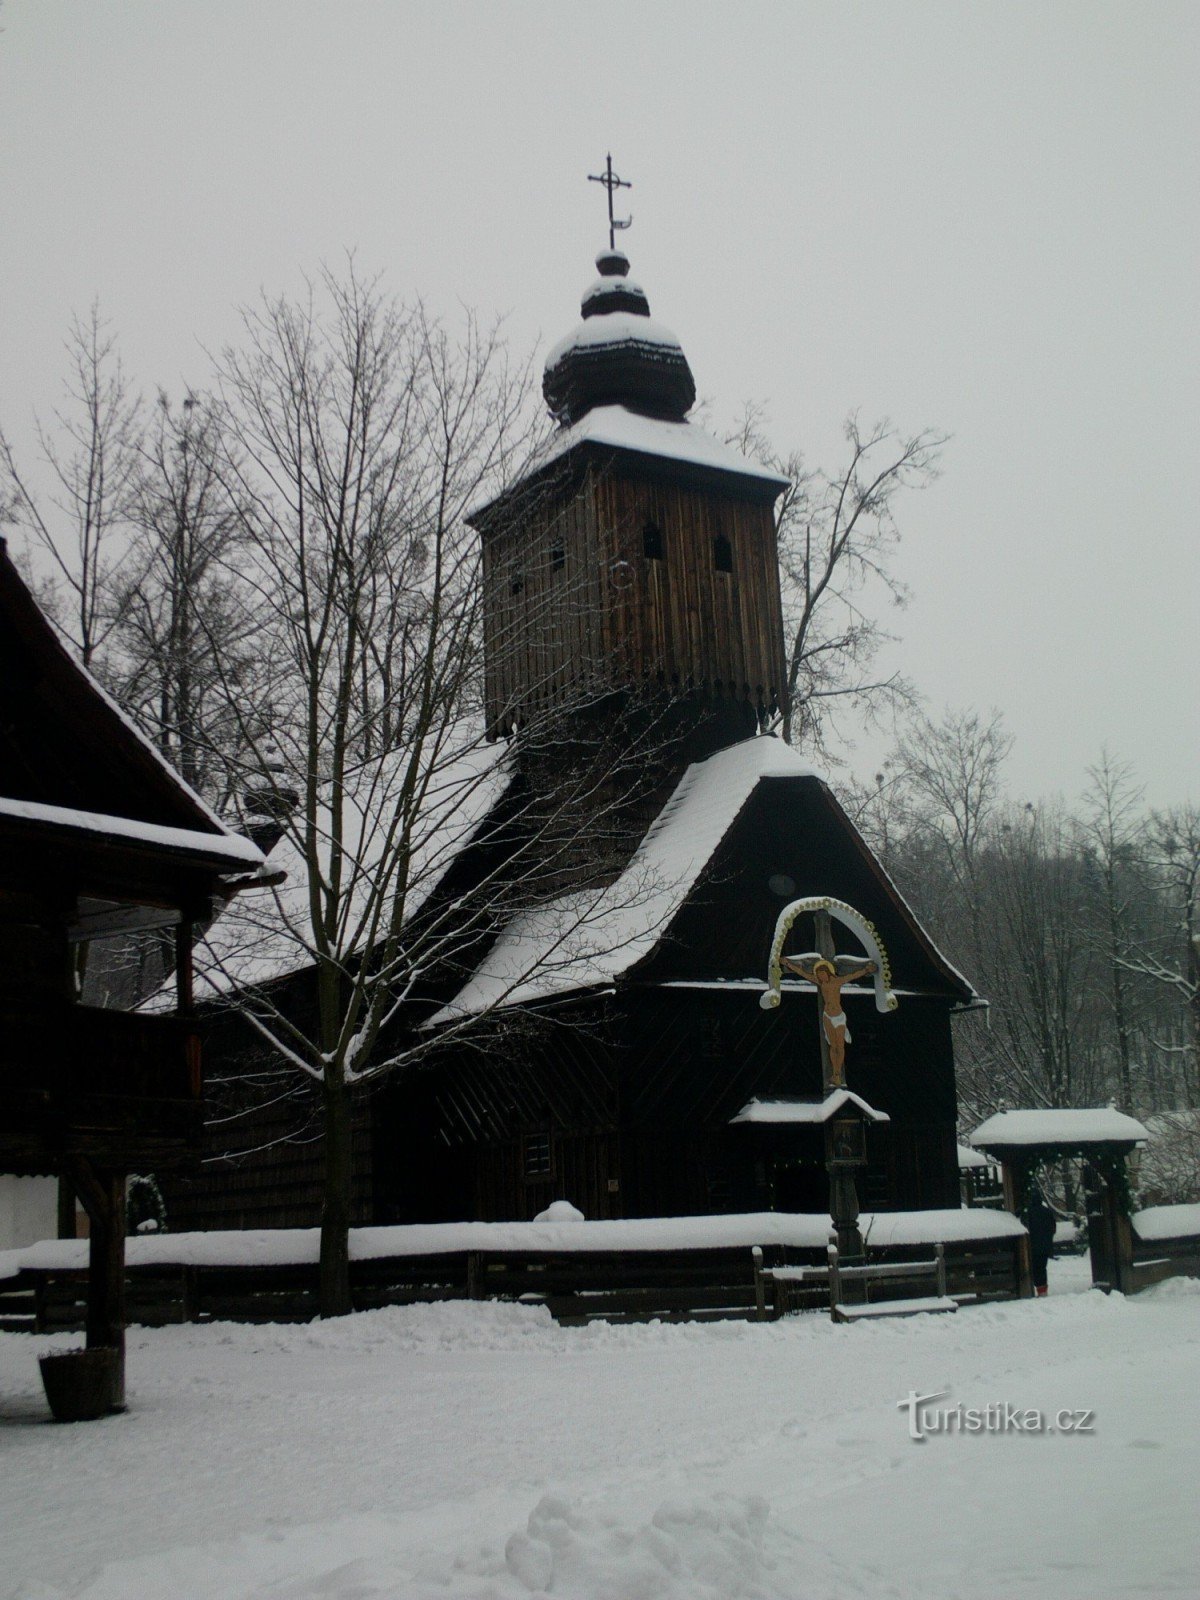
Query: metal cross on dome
x,y
611,182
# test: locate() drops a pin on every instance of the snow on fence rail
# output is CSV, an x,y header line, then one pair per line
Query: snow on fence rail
x,y
255,1247
674,1267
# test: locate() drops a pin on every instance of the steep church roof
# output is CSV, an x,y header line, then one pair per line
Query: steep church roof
x,y
618,355
620,382
633,929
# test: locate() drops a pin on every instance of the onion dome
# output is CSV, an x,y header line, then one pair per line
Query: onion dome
x,y
618,355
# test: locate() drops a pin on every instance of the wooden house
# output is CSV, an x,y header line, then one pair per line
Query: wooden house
x,y
636,561
98,836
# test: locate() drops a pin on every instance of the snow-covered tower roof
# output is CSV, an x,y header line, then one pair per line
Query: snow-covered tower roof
x,y
618,355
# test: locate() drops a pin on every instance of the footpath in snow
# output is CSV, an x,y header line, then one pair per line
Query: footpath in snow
x,y
478,1450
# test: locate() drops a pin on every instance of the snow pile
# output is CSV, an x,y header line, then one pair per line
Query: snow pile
x,y
560,1211
696,1550
586,940
1167,1222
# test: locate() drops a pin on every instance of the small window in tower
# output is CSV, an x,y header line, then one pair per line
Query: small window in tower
x,y
722,554
558,556
652,542
517,586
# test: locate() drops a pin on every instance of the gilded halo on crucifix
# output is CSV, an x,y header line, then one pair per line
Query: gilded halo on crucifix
x,y
830,972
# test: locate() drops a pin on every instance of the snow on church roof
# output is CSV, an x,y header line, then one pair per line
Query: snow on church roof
x,y
266,933
614,328
586,940
619,428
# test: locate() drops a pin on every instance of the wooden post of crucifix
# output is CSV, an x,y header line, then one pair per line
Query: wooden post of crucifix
x,y
611,182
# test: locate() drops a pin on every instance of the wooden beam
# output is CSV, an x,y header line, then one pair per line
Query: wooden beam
x,y
103,1196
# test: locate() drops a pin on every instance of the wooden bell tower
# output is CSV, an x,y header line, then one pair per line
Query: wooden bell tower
x,y
637,553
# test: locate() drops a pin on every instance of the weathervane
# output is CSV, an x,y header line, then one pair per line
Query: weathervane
x,y
610,181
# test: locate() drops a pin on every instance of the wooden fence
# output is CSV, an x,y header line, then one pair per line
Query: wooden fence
x,y
1157,1259
576,1286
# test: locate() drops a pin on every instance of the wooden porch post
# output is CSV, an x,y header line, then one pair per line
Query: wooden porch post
x,y
103,1196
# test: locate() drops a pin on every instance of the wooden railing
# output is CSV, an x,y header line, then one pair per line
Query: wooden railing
x,y
576,1286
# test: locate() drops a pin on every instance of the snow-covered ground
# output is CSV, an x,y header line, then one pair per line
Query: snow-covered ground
x,y
478,1450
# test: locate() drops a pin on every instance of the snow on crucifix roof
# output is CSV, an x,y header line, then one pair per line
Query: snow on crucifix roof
x,y
807,1111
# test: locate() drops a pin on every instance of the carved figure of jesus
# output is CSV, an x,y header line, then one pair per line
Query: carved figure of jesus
x,y
829,982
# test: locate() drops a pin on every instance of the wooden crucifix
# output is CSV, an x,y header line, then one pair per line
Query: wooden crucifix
x,y
830,973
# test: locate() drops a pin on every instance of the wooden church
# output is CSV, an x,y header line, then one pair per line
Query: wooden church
x,y
635,562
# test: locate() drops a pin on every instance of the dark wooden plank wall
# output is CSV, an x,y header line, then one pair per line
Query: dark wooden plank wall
x,y
263,1152
573,600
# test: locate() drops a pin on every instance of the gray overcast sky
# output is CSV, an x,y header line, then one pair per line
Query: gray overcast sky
x,y
984,217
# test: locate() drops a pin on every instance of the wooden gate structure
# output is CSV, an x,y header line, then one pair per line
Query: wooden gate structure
x,y
1104,1138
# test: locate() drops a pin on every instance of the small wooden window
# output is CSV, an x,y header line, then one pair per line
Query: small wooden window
x,y
722,554
537,1156
517,586
652,542
558,556
711,1040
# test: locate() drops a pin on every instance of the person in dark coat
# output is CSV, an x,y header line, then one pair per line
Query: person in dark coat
x,y
1040,1221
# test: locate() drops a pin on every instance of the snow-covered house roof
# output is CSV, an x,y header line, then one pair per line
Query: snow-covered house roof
x,y
971,1159
1099,1125
73,766
225,850
807,1112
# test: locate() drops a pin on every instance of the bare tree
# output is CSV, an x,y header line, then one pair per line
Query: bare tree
x,y
1046,1039
91,461
1112,832
837,535
364,431
1172,960
185,628
953,770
